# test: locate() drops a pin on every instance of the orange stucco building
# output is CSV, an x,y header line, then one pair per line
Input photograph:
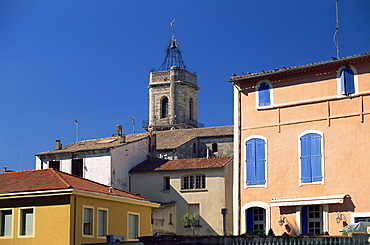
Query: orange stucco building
x,y
301,147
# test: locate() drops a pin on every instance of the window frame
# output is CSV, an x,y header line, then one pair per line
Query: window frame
x,y
128,226
92,221
322,142
271,96
51,163
166,183
339,82
2,229
245,161
255,204
98,222
82,167
21,222
164,109
192,184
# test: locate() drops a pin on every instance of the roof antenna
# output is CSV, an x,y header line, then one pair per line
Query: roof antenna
x,y
133,124
336,34
76,122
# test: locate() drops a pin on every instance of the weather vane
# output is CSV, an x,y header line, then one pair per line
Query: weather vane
x,y
172,24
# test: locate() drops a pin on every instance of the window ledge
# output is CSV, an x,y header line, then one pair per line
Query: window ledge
x,y
193,190
166,191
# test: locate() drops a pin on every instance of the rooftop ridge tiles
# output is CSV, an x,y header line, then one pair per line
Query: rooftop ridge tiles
x,y
279,70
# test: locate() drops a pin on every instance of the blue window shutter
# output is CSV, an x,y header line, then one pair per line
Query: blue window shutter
x,y
264,94
260,162
251,161
250,219
305,159
342,82
304,215
316,157
350,82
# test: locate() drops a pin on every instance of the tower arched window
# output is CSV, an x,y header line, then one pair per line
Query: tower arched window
x,y
164,107
191,109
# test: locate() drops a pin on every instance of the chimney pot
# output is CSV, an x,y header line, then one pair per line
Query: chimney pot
x,y
118,130
58,145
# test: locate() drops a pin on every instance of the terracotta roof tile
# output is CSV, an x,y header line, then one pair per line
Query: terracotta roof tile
x,y
174,138
50,179
277,71
153,165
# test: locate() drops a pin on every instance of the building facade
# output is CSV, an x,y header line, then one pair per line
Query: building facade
x,y
198,186
104,160
301,137
51,207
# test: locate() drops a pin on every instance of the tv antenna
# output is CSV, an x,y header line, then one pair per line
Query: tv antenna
x,y
336,34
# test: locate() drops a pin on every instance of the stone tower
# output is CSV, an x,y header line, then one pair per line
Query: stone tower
x,y
173,93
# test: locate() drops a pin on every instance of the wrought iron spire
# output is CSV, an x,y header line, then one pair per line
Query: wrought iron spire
x,y
173,53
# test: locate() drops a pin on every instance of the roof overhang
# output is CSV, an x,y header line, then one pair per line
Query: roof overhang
x,y
300,201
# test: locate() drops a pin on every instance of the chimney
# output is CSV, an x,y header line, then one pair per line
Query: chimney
x,y
118,130
58,145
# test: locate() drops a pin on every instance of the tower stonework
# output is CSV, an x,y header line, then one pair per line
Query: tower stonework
x,y
173,93
173,99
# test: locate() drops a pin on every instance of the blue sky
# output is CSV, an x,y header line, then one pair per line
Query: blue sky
x,y
90,60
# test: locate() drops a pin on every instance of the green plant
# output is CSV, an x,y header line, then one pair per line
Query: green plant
x,y
347,231
189,220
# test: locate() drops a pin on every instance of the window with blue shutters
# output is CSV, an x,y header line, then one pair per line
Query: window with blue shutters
x,y
264,97
255,162
347,81
311,158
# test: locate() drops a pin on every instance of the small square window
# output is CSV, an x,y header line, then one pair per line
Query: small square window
x,y
54,165
166,183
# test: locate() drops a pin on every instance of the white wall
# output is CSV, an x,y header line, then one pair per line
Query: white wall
x,y
126,157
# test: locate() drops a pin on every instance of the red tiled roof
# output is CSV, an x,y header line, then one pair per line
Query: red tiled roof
x,y
50,179
152,165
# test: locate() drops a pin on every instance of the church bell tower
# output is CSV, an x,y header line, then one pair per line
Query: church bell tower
x,y
173,92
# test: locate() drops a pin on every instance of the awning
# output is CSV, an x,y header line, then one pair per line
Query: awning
x,y
300,201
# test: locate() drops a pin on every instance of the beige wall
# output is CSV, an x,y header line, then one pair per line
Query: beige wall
x,y
211,199
302,103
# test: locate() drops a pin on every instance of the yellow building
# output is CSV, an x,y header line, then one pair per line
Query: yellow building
x,y
51,207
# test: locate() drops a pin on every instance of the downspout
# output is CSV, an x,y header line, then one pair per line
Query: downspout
x,y
237,157
74,221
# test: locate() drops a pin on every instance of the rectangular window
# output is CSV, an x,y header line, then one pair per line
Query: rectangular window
x,y
166,183
77,167
133,226
311,158
26,222
214,147
255,162
88,221
6,222
194,182
102,222
347,81
54,165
